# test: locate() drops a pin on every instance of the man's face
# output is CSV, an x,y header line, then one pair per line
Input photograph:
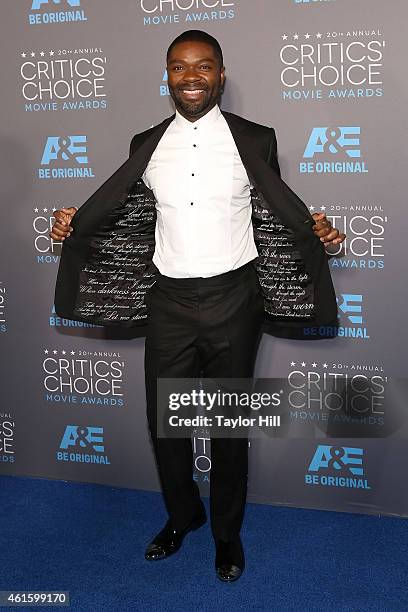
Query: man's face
x,y
195,78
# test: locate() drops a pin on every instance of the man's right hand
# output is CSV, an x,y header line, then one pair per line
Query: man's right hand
x,y
62,225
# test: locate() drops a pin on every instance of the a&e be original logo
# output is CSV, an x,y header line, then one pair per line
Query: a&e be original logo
x,y
55,11
83,444
65,157
337,466
335,149
351,314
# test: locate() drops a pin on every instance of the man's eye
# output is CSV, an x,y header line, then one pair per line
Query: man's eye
x,y
205,67
177,67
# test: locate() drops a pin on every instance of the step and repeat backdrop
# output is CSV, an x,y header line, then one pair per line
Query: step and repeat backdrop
x,y
79,79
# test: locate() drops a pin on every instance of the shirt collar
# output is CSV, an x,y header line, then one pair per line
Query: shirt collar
x,y
207,120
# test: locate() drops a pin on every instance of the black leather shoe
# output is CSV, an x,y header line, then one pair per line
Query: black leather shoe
x,y
169,540
229,560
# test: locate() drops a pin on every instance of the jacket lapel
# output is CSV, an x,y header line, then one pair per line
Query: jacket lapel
x,y
277,197
116,189
273,189
138,162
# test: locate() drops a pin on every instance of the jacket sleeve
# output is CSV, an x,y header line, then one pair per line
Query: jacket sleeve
x,y
272,160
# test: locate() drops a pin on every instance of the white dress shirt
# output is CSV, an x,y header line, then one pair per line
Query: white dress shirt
x,y
203,199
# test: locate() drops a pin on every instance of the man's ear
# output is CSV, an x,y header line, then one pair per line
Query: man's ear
x,y
222,79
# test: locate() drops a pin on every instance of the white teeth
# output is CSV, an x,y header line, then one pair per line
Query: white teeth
x,y
193,90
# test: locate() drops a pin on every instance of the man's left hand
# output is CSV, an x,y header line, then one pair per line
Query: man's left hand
x,y
325,231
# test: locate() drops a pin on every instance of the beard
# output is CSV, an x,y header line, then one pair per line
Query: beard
x,y
193,108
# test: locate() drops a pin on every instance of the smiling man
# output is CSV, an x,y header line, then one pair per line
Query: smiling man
x,y
176,239
196,93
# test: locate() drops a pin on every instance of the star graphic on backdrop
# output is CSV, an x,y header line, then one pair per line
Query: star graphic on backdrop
x,y
296,36
325,365
23,54
72,352
284,37
35,209
322,208
314,364
64,352
307,35
46,351
318,35
311,207
55,352
32,54
51,52
45,209
53,209
303,364
293,363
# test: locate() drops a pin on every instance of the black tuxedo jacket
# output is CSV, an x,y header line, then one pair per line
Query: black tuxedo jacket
x,y
106,265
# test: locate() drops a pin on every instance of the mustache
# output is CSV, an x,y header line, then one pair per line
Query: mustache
x,y
190,88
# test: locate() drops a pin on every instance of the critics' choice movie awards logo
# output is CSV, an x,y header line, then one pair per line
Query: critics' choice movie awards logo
x,y
337,466
3,321
64,79
46,249
201,457
55,11
83,444
92,378
333,150
332,65
7,426
337,394
365,227
190,12
65,157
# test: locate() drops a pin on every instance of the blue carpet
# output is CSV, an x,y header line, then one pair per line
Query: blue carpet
x,y
89,540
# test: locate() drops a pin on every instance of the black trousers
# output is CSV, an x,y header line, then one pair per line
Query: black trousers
x,y
203,327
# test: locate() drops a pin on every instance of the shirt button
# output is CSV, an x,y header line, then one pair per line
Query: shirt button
x,y
191,203
192,174
194,145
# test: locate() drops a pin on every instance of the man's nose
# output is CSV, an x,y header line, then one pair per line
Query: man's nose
x,y
191,75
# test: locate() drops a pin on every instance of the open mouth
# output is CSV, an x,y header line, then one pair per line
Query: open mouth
x,y
192,94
